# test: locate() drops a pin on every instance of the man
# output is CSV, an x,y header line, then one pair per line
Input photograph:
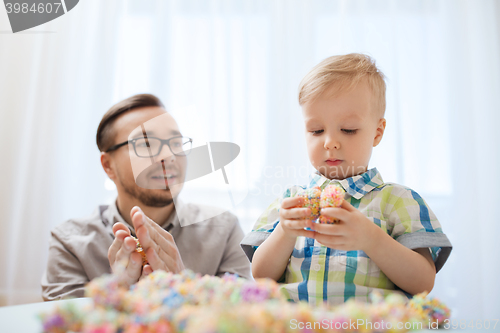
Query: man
x,y
82,249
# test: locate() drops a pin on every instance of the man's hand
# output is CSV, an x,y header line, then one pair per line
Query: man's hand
x,y
159,245
293,220
353,232
122,252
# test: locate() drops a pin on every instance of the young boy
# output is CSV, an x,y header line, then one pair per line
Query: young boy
x,y
388,239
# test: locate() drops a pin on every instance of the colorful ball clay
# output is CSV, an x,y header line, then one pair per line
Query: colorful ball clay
x,y
138,248
430,308
188,302
311,200
332,196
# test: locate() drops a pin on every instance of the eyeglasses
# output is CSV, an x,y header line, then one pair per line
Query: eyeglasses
x,y
151,146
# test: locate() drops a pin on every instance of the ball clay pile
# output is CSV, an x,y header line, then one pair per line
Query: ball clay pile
x,y
165,302
316,199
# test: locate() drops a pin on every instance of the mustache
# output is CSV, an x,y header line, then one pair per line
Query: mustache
x,y
156,169
159,167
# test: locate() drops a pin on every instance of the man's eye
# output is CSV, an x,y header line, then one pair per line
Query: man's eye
x,y
317,132
349,131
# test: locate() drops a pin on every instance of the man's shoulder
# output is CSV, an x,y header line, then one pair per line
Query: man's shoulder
x,y
82,226
206,215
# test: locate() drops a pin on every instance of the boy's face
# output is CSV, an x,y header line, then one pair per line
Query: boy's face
x,y
341,131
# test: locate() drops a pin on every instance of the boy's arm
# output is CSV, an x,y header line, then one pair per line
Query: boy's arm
x,y
271,257
411,270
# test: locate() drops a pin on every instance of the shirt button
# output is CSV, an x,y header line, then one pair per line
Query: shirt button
x,y
317,267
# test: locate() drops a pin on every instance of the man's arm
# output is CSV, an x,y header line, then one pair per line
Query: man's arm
x,y
64,276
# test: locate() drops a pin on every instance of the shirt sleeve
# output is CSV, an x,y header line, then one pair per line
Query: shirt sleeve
x,y
234,260
64,276
414,225
265,224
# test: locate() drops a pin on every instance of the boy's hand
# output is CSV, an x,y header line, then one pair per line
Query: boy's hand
x,y
293,218
353,232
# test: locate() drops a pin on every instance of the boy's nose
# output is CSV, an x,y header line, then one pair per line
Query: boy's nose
x,y
331,143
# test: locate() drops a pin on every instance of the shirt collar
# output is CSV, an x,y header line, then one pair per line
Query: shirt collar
x,y
112,216
356,186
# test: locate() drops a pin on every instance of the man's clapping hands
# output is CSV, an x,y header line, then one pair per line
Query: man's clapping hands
x,y
157,243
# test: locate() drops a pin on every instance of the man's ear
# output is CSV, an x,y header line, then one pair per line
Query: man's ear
x,y
380,132
106,165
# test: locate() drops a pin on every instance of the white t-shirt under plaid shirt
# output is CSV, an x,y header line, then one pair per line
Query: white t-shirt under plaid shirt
x,y
316,273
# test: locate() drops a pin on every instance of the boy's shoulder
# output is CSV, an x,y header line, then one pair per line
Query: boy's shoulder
x,y
394,188
397,189
398,195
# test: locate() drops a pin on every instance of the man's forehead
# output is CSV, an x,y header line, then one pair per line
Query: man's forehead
x,y
143,132
151,120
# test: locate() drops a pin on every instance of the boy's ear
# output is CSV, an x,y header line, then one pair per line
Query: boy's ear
x,y
380,132
106,165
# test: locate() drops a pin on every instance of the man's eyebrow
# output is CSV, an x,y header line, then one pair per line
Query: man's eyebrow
x,y
175,132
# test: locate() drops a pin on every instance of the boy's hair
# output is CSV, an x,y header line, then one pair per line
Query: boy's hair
x,y
344,72
104,136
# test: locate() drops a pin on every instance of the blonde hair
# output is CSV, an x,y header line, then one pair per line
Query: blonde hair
x,y
344,72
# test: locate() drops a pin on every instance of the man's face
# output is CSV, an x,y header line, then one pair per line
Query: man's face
x,y
341,132
154,180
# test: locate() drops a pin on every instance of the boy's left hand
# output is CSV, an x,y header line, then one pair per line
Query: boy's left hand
x,y
354,231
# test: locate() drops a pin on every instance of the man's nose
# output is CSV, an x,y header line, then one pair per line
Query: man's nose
x,y
165,155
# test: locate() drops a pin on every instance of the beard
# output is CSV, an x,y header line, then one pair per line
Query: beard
x,y
151,198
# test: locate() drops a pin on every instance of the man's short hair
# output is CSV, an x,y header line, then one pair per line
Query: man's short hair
x,y
104,137
341,73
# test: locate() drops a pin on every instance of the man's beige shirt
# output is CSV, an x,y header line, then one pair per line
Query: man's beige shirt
x,y
78,249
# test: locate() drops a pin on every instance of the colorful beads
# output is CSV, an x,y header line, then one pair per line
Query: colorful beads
x,y
332,196
311,200
188,302
431,308
315,199
138,248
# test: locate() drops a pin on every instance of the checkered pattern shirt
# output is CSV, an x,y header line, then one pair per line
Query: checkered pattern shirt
x,y
316,273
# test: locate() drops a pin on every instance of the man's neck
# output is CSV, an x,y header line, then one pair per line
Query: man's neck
x,y
124,204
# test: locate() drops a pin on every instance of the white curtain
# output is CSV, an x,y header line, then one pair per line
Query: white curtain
x,y
229,71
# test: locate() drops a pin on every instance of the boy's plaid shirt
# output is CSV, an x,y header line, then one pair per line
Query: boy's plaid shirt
x,y
316,273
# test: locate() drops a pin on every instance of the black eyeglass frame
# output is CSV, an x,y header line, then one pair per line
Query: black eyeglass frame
x,y
163,142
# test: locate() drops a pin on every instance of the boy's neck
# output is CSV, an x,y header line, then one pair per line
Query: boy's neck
x,y
362,171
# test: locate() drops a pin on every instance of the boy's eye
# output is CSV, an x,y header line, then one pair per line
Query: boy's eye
x,y
317,132
349,131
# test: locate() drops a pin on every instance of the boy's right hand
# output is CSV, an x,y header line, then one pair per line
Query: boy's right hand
x,y
294,218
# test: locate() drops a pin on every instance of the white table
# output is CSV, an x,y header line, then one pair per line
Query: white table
x,y
24,318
